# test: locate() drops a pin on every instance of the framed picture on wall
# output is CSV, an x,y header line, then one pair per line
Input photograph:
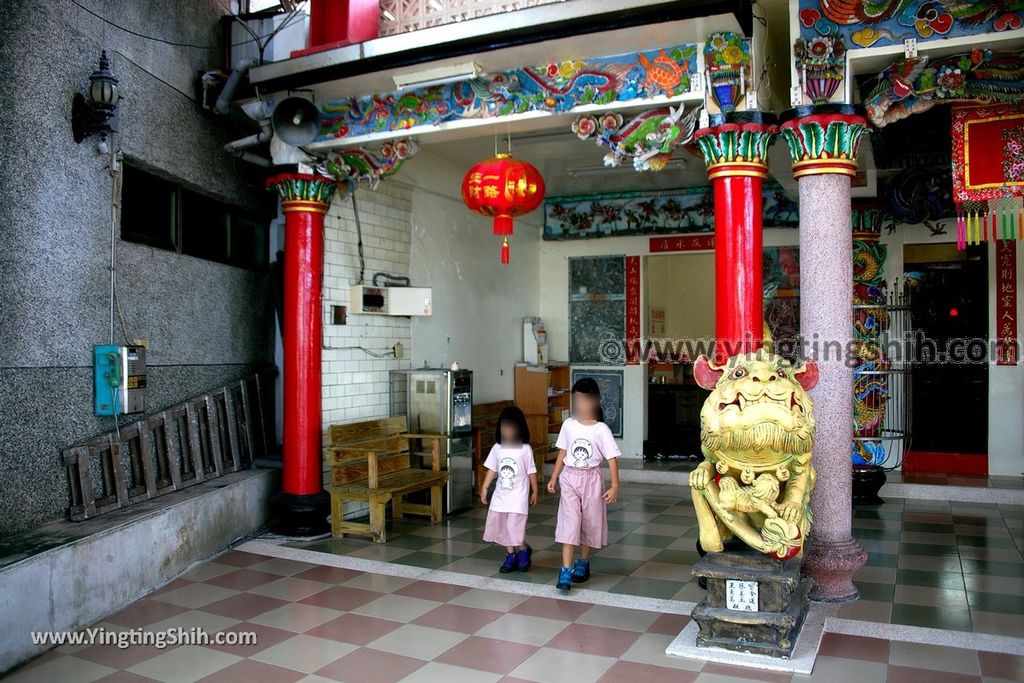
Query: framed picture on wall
x,y
656,321
610,383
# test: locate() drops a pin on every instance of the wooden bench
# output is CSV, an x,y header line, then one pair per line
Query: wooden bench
x,y
370,463
485,421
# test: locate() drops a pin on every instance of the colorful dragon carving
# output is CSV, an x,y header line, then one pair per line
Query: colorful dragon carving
x,y
553,87
360,165
648,138
870,389
757,431
911,86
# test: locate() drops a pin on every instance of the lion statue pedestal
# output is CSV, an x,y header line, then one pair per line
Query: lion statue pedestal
x,y
753,604
754,486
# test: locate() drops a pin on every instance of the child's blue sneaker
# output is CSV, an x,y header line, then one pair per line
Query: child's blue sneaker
x,y
524,558
564,579
581,571
510,563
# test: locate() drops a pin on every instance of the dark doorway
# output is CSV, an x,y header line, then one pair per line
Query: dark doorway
x,y
949,307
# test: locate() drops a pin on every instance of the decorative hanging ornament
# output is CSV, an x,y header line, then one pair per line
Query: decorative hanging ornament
x,y
503,187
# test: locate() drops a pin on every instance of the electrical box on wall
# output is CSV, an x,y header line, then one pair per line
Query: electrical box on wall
x,y
370,300
120,379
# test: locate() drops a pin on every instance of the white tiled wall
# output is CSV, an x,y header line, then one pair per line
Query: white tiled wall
x,y
355,383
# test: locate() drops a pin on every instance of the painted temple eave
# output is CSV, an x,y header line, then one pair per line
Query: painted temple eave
x,y
362,74
919,54
871,60
453,129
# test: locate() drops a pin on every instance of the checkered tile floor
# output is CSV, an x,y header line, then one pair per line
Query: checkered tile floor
x,y
319,623
947,565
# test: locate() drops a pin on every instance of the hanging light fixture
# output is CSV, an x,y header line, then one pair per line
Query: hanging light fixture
x,y
96,115
503,187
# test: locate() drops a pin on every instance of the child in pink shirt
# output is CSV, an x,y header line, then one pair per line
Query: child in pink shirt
x,y
583,443
511,462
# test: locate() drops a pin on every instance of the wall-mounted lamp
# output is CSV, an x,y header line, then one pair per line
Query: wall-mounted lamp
x,y
96,115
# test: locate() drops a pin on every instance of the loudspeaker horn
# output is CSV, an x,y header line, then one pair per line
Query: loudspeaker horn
x,y
296,121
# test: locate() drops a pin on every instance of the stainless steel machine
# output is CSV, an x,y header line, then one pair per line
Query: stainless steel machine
x,y
438,401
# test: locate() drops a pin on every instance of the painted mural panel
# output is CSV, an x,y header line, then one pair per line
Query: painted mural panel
x,y
686,210
874,23
553,87
781,272
610,384
597,310
871,390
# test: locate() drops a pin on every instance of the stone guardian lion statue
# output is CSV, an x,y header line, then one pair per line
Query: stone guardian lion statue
x,y
757,431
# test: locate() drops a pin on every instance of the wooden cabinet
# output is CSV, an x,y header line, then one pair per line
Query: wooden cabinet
x,y
542,393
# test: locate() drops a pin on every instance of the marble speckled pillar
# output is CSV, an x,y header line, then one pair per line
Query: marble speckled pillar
x,y
823,144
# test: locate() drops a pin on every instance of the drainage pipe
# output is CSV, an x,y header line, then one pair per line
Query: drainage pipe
x,y
227,94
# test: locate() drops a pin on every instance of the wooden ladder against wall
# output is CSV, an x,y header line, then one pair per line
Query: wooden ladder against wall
x,y
205,437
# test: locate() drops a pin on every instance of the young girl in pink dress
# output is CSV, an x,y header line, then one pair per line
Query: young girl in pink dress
x,y
583,443
511,462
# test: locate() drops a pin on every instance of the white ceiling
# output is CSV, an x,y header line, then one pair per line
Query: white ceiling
x,y
570,165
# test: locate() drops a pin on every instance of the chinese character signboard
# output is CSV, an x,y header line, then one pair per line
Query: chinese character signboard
x,y
682,243
632,310
1006,303
741,596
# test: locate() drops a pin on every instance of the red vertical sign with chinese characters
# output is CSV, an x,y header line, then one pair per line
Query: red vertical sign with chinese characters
x,y
632,310
1006,302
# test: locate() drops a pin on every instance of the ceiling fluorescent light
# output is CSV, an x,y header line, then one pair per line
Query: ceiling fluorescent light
x,y
388,15
560,134
437,7
599,169
437,76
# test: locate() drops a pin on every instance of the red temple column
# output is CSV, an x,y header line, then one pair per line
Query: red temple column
x,y
302,506
736,153
823,142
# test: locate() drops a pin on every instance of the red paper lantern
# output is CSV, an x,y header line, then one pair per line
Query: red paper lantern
x,y
503,187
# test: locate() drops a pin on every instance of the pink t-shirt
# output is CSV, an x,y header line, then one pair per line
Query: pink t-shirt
x,y
586,445
513,465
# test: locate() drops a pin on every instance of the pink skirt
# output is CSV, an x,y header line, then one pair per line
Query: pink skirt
x,y
582,514
505,528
